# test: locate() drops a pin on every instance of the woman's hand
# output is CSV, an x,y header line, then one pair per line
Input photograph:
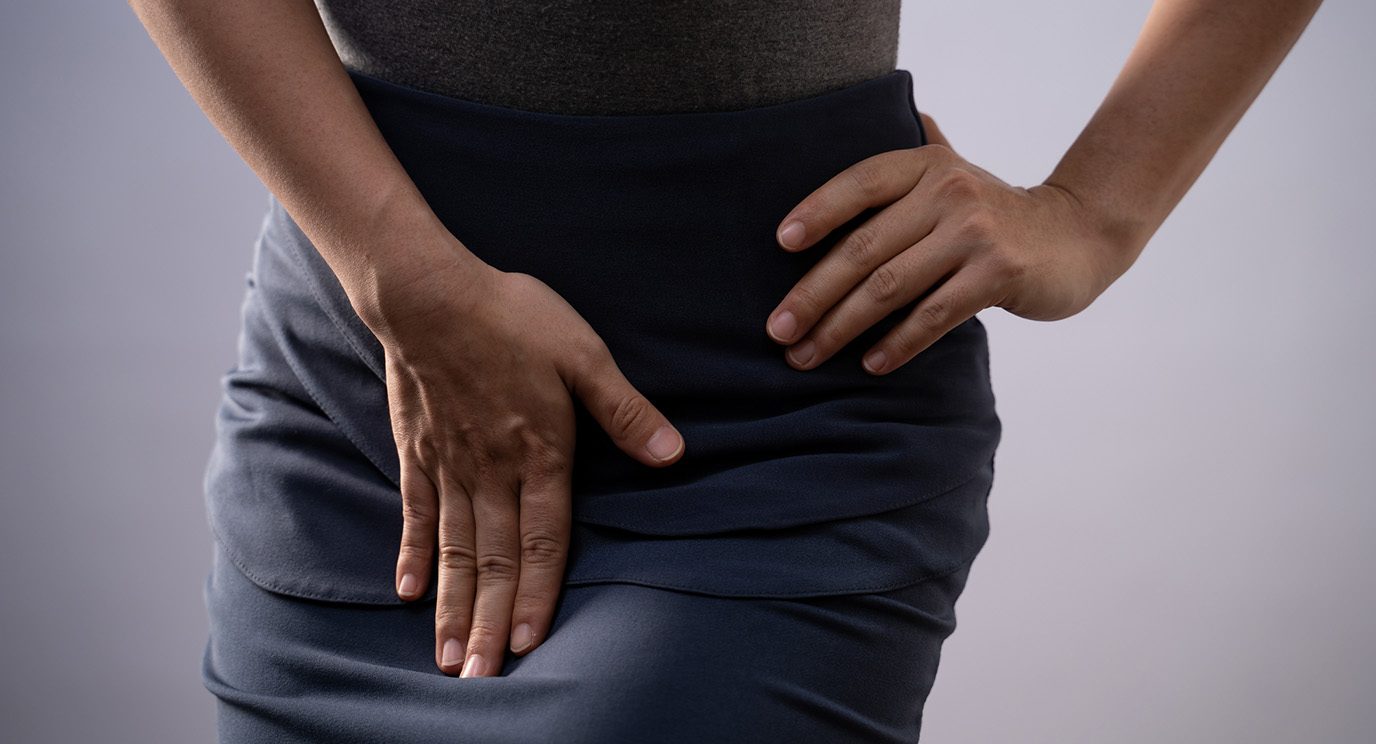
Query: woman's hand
x,y
948,230
481,368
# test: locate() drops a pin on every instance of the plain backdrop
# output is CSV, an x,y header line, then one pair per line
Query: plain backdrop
x,y
1183,510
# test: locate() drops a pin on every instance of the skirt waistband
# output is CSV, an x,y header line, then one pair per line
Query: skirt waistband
x,y
651,171
603,138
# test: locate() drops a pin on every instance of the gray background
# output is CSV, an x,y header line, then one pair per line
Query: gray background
x,y
1183,510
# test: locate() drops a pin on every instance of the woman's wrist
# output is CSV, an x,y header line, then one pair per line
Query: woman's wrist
x,y
401,261
1121,234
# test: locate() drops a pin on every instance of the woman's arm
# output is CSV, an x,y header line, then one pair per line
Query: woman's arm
x,y
958,239
268,77
482,411
1195,69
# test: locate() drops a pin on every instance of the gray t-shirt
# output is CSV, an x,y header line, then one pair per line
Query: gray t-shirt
x,y
617,56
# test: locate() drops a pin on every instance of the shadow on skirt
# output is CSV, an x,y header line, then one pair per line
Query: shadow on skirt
x,y
623,663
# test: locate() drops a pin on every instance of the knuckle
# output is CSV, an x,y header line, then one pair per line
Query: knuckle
x,y
860,245
945,151
417,510
932,312
959,183
883,284
422,446
1006,267
496,568
544,454
935,149
457,556
864,178
511,425
541,548
977,228
959,178
552,460
630,411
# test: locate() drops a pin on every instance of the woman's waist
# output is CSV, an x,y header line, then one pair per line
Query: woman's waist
x,y
643,171
757,430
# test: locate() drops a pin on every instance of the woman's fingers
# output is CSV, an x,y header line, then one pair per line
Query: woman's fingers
x,y
859,256
895,283
457,572
420,519
948,223
546,519
888,181
633,423
949,305
503,546
873,182
498,564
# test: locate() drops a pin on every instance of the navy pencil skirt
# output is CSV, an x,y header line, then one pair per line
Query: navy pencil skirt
x,y
792,576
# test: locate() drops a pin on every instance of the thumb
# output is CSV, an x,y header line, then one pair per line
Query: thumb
x,y
934,134
633,423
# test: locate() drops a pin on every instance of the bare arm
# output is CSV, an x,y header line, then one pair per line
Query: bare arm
x,y
1195,69
268,77
958,239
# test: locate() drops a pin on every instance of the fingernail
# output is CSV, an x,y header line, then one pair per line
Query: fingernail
x,y
783,326
802,353
875,361
453,652
792,233
521,638
408,584
664,444
473,668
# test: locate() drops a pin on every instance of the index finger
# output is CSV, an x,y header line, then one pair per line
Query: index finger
x,y
876,181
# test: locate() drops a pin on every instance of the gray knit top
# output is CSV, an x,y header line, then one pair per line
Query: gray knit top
x,y
617,56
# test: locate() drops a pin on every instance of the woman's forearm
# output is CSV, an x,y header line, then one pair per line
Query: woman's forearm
x,y
1194,70
268,77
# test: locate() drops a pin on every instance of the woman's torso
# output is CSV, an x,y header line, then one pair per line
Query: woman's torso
x,y
617,57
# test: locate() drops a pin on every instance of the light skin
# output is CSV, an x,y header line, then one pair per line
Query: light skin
x,y
482,411
963,240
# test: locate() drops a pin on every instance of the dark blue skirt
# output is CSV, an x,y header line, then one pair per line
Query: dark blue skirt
x,y
826,509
